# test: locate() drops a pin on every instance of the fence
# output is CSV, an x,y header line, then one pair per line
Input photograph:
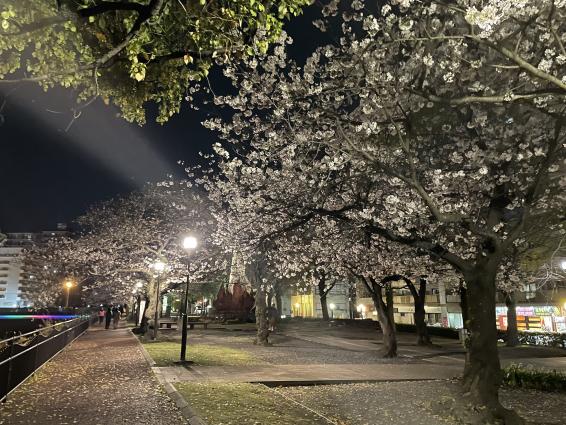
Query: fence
x,y
22,355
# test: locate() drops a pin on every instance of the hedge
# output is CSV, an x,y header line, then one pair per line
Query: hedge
x,y
432,330
524,377
545,339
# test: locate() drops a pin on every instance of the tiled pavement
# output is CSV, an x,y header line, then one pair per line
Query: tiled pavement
x,y
102,378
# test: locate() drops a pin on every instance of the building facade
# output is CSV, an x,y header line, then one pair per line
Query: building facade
x,y
16,277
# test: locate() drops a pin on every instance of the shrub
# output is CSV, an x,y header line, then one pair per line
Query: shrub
x,y
523,377
546,339
432,330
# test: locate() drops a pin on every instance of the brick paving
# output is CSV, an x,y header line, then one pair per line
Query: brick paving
x,y
102,378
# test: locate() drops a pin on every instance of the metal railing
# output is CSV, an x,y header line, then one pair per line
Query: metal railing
x,y
21,355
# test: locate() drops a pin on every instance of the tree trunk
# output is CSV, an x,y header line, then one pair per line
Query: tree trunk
x,y
279,303
322,292
385,320
464,305
482,372
261,317
144,324
150,306
419,297
512,331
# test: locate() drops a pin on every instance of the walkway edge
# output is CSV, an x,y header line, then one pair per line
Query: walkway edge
x,y
186,410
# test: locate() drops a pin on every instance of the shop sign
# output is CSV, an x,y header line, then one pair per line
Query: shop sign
x,y
525,311
539,310
547,310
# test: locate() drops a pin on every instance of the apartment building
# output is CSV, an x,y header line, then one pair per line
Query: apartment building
x,y
15,276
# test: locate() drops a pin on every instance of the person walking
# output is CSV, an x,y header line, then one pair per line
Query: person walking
x,y
272,316
115,317
100,315
108,316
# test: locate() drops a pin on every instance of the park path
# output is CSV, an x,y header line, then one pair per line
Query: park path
x,y
102,378
310,373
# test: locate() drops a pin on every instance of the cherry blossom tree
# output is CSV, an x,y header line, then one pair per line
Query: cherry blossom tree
x,y
436,126
121,240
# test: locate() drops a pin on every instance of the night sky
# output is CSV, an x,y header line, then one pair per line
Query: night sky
x,y
48,175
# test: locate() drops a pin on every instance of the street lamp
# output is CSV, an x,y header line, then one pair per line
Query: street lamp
x,y
189,244
159,266
332,307
68,285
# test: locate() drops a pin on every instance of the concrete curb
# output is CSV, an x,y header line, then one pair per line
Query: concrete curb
x,y
186,410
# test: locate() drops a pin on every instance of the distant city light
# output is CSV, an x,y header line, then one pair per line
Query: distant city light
x,y
38,316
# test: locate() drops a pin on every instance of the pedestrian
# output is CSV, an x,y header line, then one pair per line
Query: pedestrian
x,y
100,315
115,317
272,316
108,316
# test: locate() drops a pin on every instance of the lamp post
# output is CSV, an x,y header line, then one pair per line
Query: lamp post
x,y
332,307
68,285
189,244
159,267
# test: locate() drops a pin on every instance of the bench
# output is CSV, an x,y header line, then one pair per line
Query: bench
x,y
193,324
167,323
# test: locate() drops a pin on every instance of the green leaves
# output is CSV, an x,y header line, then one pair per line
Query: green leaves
x,y
140,57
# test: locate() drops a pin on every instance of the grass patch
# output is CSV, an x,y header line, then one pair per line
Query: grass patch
x,y
243,403
519,376
167,353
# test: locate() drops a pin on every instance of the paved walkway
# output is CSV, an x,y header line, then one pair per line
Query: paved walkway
x,y
102,378
319,373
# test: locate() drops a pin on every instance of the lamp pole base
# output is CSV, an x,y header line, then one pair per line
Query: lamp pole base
x,y
184,362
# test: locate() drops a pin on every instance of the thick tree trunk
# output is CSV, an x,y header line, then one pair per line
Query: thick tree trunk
x,y
512,331
385,317
322,292
482,372
144,324
262,336
419,297
324,306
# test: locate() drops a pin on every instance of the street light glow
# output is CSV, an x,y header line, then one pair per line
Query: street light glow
x,y
190,242
69,284
159,266
332,306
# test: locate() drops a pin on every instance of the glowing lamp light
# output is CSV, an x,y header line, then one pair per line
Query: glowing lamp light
x,y
332,306
563,264
69,284
190,242
297,305
361,308
159,266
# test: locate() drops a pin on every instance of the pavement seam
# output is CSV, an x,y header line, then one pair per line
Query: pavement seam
x,y
182,404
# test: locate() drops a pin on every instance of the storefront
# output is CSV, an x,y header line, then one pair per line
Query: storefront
x,y
541,318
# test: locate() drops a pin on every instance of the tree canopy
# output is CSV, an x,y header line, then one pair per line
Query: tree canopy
x,y
130,53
